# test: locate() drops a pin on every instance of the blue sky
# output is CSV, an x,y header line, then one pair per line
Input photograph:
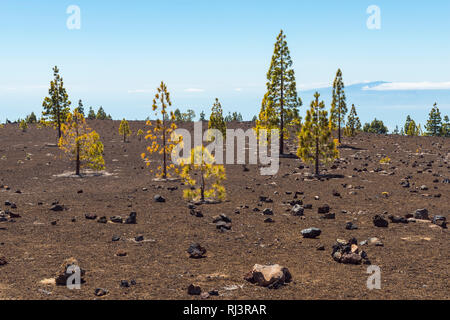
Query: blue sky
x,y
208,49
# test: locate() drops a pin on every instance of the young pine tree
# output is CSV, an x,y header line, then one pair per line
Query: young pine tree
x,y
434,123
446,127
160,134
281,92
82,144
140,133
413,129
56,105
23,125
101,114
124,129
407,122
91,114
80,108
353,123
267,119
316,143
216,120
203,176
202,116
338,104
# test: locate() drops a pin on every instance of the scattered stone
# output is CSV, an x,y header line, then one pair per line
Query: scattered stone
x,y
324,209
121,253
329,216
268,212
440,221
222,225
139,238
320,247
124,284
205,295
159,198
196,213
397,219
265,199
311,233
57,208
196,251
115,238
350,226
336,194
131,219
3,261
297,210
116,219
90,216
213,292
421,214
380,222
194,290
269,220
99,292
347,252
102,220
423,188
270,276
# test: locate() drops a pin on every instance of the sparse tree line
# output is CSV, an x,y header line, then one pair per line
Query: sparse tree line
x,y
279,110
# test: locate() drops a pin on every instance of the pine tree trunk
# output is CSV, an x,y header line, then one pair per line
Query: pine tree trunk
x,y
339,124
282,111
202,188
77,164
317,156
164,149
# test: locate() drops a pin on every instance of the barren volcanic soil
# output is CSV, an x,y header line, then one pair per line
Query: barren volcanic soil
x,y
414,260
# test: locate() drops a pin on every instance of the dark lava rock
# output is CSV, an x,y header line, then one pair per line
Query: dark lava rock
x,y
320,247
102,220
297,210
329,216
194,290
323,209
397,219
116,219
7,203
131,219
3,261
268,212
196,213
90,216
222,225
124,284
99,292
311,233
139,238
440,221
380,222
196,251
57,208
265,199
159,198
421,214
350,226
269,220
67,268
115,238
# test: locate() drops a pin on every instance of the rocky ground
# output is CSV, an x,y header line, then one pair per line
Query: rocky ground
x,y
368,216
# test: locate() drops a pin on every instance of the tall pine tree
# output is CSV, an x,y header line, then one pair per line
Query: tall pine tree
x,y
56,105
282,91
338,104
316,143
434,123
353,123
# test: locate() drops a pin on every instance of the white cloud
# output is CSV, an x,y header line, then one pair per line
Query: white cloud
x,y
194,90
397,86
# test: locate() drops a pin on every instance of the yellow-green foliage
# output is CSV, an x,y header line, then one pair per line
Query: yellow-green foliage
x,y
23,125
198,172
140,133
124,129
267,119
413,129
81,143
385,160
217,121
315,140
160,134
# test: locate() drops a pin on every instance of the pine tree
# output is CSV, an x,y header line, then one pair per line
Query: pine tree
x,y
161,134
82,144
124,129
338,104
202,116
267,119
446,127
434,123
315,139
140,133
80,108
56,105
413,129
91,114
376,126
396,131
407,122
216,120
353,123
31,118
23,125
281,92
101,114
197,171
